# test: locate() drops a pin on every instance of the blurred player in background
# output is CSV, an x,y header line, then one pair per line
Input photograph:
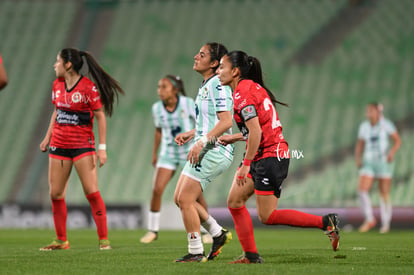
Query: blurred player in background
x,y
172,115
71,140
374,158
3,75
207,159
266,160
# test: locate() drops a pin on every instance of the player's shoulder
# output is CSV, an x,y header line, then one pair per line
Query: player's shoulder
x,y
186,99
157,105
87,83
387,123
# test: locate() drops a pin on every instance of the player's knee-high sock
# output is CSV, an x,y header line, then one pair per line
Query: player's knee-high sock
x,y
386,212
295,218
98,213
244,228
60,214
153,221
212,226
366,207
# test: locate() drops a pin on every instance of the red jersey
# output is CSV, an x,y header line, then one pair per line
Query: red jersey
x,y
251,100
1,60
73,128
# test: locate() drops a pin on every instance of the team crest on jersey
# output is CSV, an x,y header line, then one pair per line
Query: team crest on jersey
x,y
76,97
182,114
204,93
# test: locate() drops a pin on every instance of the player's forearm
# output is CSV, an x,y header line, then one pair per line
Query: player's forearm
x,y
358,150
51,123
157,141
253,143
221,127
101,120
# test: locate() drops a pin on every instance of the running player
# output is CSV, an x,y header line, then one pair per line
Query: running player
x,y
3,75
376,163
266,159
206,159
173,114
71,140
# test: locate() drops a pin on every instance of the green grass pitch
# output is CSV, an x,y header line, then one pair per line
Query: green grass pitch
x,y
285,251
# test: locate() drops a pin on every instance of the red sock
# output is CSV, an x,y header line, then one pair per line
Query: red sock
x,y
98,213
244,228
60,213
295,218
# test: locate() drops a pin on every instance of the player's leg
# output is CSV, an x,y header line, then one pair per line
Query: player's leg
x,y
162,176
385,204
236,201
206,237
86,167
59,172
187,192
364,185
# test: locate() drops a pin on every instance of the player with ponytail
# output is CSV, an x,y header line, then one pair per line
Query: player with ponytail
x,y
266,159
70,137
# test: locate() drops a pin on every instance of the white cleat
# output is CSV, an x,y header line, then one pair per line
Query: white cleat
x,y
149,237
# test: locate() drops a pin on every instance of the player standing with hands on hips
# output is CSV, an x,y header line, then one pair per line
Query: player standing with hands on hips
x,y
266,160
71,140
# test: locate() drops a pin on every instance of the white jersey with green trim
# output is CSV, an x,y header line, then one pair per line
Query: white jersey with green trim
x,y
212,98
172,123
376,139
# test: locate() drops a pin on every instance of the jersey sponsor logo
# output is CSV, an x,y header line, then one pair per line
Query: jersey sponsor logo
x,y
218,87
242,104
94,89
61,104
265,181
72,118
57,94
236,96
248,112
76,97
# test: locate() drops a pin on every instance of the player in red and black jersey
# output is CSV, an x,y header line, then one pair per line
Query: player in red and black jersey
x,y
71,140
3,75
266,160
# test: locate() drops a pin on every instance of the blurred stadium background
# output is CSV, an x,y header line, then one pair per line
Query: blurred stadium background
x,y
326,58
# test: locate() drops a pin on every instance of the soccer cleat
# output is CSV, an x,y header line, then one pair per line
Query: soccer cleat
x,y
56,245
104,244
367,226
206,237
192,258
384,229
330,226
249,258
149,237
218,243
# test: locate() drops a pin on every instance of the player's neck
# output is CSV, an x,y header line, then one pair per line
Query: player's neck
x,y
71,79
207,75
171,103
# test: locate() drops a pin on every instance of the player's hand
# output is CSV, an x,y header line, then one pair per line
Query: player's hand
x,y
226,140
154,160
44,144
390,156
101,156
194,153
241,175
183,138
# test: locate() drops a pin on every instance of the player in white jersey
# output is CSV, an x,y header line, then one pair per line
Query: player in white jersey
x,y
207,158
374,158
172,114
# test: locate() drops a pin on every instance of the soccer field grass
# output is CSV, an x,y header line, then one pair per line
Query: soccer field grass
x,y
285,251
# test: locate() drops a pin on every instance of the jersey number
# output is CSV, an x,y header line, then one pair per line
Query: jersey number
x,y
269,105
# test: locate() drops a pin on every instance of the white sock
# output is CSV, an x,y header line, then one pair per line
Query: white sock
x,y
386,212
153,221
366,205
212,226
195,246
203,230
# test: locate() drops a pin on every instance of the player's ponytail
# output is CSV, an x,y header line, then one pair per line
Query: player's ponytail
x,y
250,68
177,83
108,87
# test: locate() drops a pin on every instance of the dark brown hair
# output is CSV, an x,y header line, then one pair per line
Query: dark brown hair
x,y
176,82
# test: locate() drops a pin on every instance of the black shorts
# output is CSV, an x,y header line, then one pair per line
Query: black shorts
x,y
70,154
268,175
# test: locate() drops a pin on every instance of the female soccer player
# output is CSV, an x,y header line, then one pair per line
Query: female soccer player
x,y
266,160
71,140
3,75
206,159
173,114
377,163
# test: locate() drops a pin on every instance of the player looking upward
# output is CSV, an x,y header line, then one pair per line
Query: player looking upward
x,y
207,159
71,140
265,165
